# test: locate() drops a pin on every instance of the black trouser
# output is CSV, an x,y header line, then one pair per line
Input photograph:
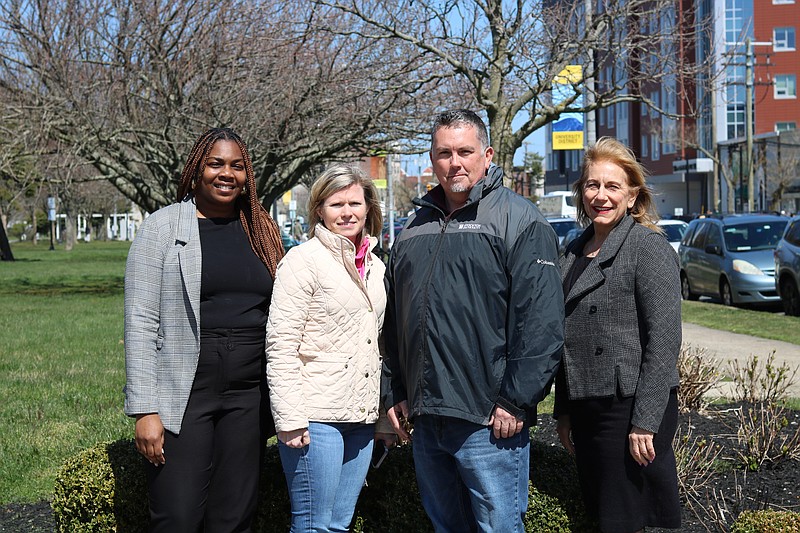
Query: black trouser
x,y
210,479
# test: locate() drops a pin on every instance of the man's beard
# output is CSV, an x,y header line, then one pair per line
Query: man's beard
x,y
459,186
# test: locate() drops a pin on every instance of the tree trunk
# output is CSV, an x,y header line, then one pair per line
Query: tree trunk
x,y
5,246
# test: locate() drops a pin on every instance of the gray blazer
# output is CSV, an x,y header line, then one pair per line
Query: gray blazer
x,y
162,314
623,322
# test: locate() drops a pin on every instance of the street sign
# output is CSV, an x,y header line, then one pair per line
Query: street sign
x,y
702,164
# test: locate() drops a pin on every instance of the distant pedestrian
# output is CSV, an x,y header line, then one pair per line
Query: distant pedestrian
x,y
323,358
616,393
473,333
198,284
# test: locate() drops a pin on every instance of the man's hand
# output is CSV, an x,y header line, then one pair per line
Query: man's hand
x,y
296,438
504,423
564,430
150,437
640,442
397,415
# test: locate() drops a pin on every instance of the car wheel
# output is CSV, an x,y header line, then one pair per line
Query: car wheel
x,y
686,291
790,298
725,292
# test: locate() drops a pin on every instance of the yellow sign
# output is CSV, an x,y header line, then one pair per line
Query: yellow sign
x,y
568,130
287,196
571,74
379,184
567,140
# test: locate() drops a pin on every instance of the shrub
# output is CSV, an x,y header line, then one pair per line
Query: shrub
x,y
765,436
767,521
698,375
754,382
104,488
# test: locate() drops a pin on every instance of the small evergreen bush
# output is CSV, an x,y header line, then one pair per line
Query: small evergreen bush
x,y
767,521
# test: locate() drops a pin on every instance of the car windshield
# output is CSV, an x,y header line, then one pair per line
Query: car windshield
x,y
562,228
753,236
674,232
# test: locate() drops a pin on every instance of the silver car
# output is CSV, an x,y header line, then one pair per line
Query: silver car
x,y
787,268
730,258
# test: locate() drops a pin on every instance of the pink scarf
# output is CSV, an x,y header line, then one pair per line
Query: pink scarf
x,y
361,254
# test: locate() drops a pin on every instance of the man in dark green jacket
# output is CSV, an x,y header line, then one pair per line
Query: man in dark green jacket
x,y
473,333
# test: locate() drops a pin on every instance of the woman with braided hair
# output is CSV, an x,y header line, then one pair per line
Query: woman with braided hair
x,y
198,284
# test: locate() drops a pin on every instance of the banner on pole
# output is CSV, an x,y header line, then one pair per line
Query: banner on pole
x,y
568,130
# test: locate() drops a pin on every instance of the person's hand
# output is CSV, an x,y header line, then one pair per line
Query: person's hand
x,y
296,438
388,439
564,430
149,438
398,416
640,442
504,423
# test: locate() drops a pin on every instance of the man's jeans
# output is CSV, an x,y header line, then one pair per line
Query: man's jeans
x,y
325,477
468,480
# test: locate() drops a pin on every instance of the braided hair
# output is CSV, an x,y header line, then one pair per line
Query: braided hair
x,y
261,230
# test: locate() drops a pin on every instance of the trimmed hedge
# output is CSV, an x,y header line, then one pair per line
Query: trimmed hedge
x,y
104,488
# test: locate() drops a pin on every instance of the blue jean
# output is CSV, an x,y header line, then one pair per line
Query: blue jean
x,y
325,477
468,480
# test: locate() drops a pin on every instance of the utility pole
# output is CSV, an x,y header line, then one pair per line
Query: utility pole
x,y
748,120
747,162
588,82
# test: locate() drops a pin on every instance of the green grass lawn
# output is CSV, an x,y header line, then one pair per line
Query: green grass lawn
x,y
758,323
61,362
62,359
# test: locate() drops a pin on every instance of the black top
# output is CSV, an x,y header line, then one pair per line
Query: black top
x,y
580,264
236,286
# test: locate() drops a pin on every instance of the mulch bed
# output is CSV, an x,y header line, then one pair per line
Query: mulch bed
x,y
730,488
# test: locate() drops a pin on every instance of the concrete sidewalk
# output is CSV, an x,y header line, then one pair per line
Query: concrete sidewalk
x,y
725,346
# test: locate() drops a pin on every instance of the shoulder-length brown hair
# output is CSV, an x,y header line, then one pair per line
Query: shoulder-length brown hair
x,y
335,178
261,230
611,150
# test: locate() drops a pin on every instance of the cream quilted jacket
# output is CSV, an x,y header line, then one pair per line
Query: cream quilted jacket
x,y
323,362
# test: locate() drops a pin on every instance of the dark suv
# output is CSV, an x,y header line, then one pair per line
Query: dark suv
x,y
787,268
730,258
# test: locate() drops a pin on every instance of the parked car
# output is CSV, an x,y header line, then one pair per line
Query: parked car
x,y
731,258
568,238
562,225
398,227
787,268
673,231
288,241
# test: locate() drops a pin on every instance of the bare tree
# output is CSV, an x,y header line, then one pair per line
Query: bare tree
x,y
120,89
507,54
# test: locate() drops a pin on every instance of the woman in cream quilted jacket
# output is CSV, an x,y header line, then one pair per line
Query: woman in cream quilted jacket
x,y
323,363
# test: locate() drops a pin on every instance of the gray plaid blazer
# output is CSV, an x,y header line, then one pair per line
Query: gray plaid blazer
x,y
623,322
162,314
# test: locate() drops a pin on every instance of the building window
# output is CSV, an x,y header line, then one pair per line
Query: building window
x,y
601,114
656,98
656,148
783,39
645,146
785,126
785,86
610,111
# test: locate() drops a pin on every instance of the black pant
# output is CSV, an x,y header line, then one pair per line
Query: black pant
x,y
210,479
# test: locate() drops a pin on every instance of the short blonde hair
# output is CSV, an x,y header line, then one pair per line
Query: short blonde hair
x,y
335,178
611,150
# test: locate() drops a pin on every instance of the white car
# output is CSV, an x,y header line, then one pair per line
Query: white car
x,y
673,230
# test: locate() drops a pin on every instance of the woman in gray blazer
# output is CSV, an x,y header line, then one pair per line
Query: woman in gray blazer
x,y
198,283
616,392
